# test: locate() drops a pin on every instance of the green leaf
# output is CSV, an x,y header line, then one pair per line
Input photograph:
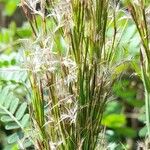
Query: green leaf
x,y
6,118
120,69
114,120
10,8
113,107
135,66
22,32
3,95
6,63
142,117
13,62
120,85
2,111
25,120
5,36
13,138
134,102
12,126
20,112
121,89
127,132
28,143
14,105
8,101
143,132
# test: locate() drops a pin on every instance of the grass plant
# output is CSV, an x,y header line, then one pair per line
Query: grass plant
x,y
139,14
70,70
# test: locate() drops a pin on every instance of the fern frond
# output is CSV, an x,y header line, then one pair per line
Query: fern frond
x,y
12,112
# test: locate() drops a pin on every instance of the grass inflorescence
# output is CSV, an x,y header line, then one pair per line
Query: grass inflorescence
x,y
70,61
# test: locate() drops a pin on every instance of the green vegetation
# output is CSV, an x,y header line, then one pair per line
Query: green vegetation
x,y
74,74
